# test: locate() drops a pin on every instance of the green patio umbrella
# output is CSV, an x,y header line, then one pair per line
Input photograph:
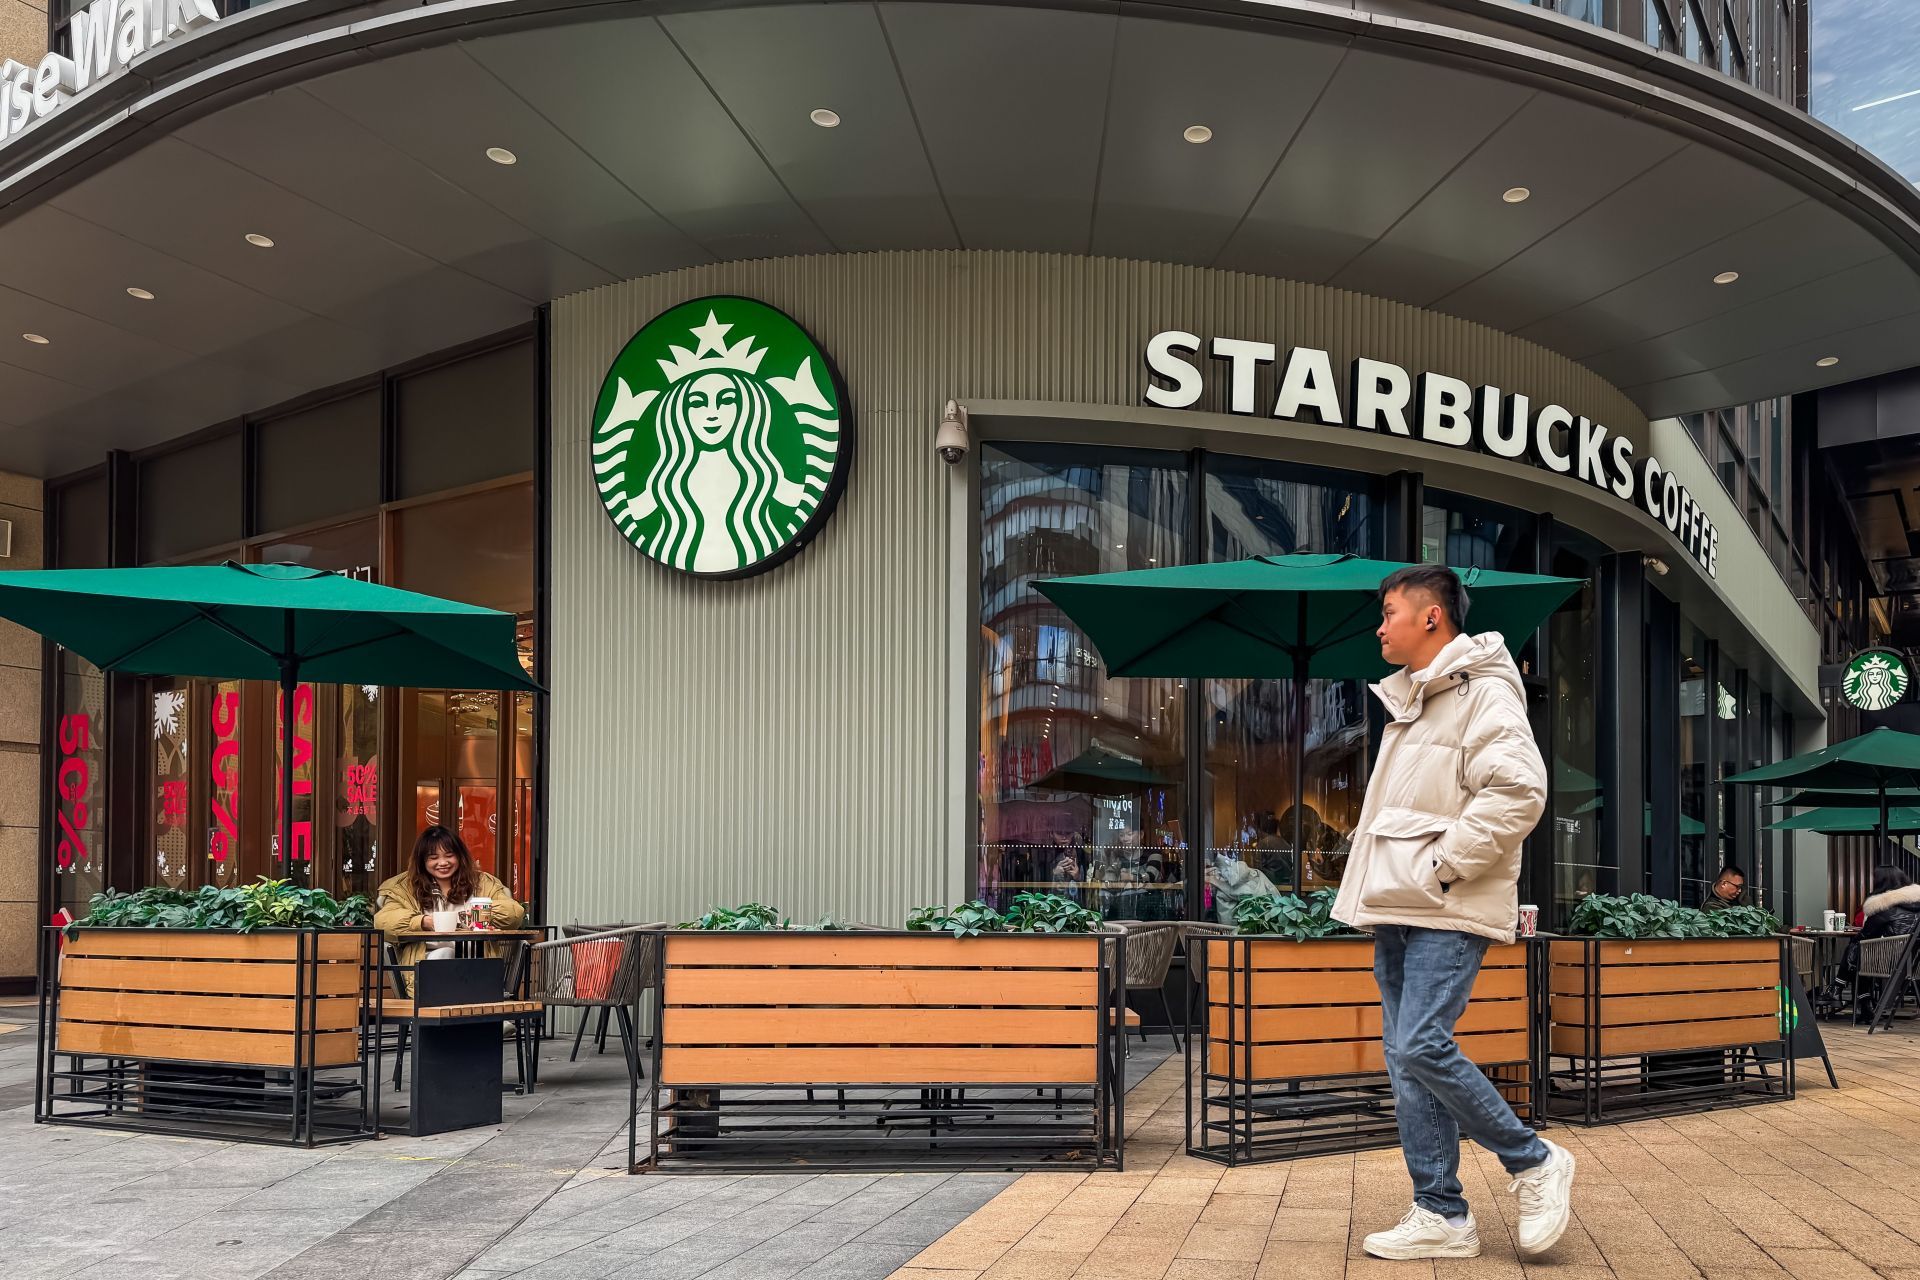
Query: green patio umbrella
x,y
1849,821
1097,771
280,622
1875,761
1274,617
1848,798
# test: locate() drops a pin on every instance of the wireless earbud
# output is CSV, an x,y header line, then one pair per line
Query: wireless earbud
x,y
1429,624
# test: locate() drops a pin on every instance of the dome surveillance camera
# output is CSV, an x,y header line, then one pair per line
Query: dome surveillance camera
x,y
950,441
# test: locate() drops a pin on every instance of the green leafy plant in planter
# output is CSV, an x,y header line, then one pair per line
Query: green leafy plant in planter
x,y
746,918
265,904
1049,913
1028,913
968,920
1641,915
1287,915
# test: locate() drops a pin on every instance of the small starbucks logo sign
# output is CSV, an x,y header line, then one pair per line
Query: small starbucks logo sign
x,y
720,438
1875,680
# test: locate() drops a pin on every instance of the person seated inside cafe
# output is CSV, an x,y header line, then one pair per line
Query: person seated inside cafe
x,y
1728,890
440,877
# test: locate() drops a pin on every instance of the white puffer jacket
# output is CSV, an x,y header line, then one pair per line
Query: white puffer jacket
x,y
1456,787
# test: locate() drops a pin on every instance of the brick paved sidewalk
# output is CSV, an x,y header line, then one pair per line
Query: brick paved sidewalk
x,y
1825,1186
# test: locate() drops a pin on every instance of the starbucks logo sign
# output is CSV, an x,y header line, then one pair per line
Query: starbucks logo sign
x,y
720,439
1875,680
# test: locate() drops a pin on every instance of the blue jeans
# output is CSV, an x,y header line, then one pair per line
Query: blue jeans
x,y
1425,977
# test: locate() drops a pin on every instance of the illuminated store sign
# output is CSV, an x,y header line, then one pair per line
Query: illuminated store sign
x,y
107,36
721,439
1382,397
1875,679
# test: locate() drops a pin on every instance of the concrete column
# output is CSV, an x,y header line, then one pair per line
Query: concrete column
x,y
21,501
23,30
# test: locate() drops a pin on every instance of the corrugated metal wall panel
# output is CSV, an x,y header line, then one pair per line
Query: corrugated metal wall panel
x,y
785,738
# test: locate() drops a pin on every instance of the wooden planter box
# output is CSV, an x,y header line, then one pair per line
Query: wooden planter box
x,y
1290,1053
1664,1025
199,1028
862,1049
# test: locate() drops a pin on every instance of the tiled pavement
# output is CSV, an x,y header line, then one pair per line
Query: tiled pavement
x,y
539,1196
1826,1187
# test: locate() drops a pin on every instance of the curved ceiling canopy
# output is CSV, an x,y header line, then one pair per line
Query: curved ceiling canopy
x,y
1342,151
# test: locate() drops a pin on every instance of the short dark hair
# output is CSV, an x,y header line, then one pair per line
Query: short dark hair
x,y
1731,868
1436,581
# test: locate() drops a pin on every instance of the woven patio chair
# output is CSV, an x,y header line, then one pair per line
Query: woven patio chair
x,y
1888,962
1150,945
607,970
606,1011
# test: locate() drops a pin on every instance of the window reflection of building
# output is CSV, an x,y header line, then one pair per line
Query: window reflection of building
x,y
1081,779
1257,822
1693,766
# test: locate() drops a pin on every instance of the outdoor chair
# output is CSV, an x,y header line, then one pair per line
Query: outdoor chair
x,y
398,1008
1887,962
1150,947
646,979
607,970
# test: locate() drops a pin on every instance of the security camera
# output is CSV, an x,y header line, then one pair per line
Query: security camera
x,y
950,441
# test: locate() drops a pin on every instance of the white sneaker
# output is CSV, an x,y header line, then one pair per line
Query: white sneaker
x,y
1546,1201
1425,1234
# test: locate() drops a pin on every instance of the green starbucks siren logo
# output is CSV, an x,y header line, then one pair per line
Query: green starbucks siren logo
x,y
720,439
1875,680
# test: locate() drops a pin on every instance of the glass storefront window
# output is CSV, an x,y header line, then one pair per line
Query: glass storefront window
x,y
1081,778
172,849
356,793
1693,765
80,784
1583,861
1260,830
224,848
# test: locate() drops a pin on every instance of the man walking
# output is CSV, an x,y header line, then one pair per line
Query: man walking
x,y
1457,786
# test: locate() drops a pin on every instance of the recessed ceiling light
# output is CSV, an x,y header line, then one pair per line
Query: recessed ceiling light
x,y
35,339
1726,277
1197,133
1514,195
259,241
1826,362
500,155
135,291
824,118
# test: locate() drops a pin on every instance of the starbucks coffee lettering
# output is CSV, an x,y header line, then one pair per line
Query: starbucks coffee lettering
x,y
1379,396
107,36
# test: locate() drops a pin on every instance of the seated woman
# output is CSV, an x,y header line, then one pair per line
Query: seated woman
x,y
442,876
1892,910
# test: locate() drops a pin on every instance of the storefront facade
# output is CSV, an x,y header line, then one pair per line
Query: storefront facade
x,y
1471,283
894,715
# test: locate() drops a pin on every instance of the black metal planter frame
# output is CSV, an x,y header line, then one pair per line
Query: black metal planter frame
x,y
1596,1088
301,1105
698,1126
1246,1119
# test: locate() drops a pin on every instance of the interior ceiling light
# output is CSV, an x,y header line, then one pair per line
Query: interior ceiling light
x,y
1197,134
500,155
1514,195
35,339
259,241
824,118
1826,362
1726,277
135,291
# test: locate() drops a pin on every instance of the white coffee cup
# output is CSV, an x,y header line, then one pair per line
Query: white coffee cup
x,y
444,921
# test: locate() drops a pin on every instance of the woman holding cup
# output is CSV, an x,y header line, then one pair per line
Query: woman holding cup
x,y
442,884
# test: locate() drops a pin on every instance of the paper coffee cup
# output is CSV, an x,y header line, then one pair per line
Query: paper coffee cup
x,y
1529,919
445,921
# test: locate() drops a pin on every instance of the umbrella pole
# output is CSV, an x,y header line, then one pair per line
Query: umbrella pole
x,y
1881,852
1299,774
